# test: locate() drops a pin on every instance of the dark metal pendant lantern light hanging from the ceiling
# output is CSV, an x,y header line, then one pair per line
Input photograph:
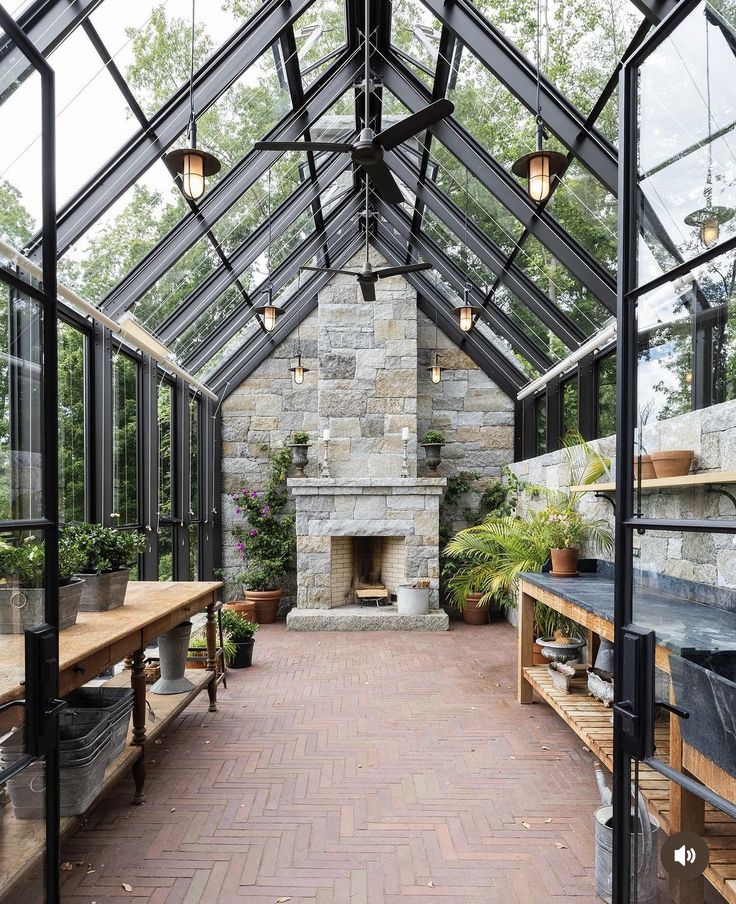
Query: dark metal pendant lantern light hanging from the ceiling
x,y
539,167
298,370
269,311
192,164
466,311
709,219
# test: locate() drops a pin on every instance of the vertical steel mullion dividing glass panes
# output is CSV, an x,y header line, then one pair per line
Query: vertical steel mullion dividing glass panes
x,y
29,554
195,488
676,445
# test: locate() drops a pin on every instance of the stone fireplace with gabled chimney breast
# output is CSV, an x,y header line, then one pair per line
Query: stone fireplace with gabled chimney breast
x,y
364,530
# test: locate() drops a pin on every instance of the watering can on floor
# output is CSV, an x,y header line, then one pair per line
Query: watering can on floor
x,y
648,848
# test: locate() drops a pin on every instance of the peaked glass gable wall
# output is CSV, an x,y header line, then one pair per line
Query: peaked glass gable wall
x,y
192,273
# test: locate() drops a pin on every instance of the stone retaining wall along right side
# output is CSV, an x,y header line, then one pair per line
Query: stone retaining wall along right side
x,y
704,558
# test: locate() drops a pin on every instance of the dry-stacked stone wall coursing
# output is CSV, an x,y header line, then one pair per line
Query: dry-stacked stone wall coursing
x,y
372,360
664,558
367,352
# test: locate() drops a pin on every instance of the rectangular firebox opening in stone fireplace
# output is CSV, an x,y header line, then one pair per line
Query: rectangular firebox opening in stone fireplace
x,y
362,564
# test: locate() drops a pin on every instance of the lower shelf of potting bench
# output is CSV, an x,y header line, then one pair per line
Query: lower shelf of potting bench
x,y
591,721
23,841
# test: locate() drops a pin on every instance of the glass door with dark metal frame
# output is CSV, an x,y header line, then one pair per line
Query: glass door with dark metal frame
x,y
35,599
675,591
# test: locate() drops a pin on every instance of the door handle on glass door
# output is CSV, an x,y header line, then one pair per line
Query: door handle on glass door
x,y
677,710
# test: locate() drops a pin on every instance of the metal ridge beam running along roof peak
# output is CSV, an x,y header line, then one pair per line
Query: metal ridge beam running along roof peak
x,y
273,22
367,151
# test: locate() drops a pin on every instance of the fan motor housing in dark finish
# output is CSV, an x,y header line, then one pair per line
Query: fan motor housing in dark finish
x,y
365,149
